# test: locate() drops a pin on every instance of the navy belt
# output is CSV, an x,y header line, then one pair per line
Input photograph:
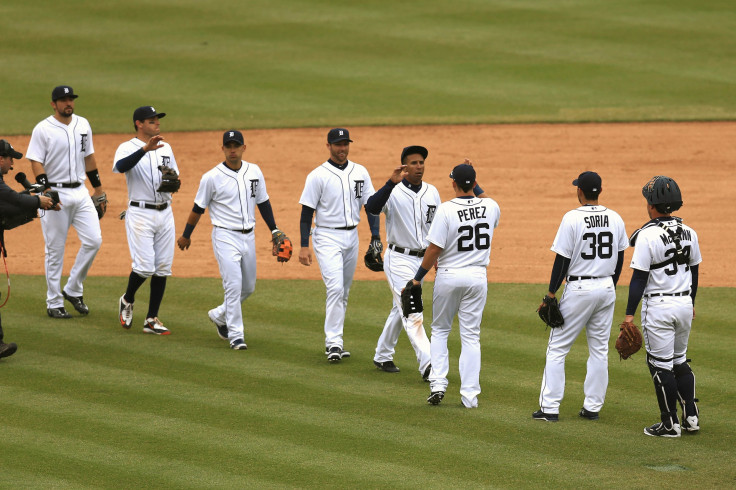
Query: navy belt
x,y
683,293
580,278
157,207
236,231
406,251
71,185
345,228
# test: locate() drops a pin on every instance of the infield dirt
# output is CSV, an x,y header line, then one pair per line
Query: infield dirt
x,y
527,169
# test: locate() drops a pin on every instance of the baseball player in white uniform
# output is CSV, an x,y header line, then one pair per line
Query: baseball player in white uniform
x,y
62,156
335,191
460,242
231,191
666,261
589,244
149,219
409,205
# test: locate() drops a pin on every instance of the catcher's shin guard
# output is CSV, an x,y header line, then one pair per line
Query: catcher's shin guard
x,y
665,386
686,388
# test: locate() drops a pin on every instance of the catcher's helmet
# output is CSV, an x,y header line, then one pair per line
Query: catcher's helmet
x,y
663,193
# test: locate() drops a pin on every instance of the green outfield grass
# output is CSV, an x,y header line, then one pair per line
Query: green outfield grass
x,y
297,63
87,404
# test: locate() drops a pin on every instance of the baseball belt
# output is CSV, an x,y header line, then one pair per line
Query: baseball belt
x,y
406,251
71,185
682,293
236,231
580,278
157,207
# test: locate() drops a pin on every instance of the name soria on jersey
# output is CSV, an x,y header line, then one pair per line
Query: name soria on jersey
x,y
596,221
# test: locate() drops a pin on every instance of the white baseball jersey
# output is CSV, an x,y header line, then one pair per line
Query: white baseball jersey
x,y
337,195
463,228
409,215
654,247
145,177
232,196
591,237
61,148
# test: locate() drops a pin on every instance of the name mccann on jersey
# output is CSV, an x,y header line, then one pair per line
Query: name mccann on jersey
x,y
471,213
667,239
596,221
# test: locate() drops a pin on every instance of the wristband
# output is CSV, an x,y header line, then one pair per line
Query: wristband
x,y
477,190
188,229
42,179
421,272
94,178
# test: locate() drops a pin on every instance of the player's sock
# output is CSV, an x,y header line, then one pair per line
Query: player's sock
x,y
158,286
134,282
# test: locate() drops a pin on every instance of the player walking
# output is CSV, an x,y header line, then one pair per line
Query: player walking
x,y
409,205
232,190
149,219
589,244
666,261
460,241
335,191
62,156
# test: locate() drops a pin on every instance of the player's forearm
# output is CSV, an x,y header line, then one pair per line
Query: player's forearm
x,y
305,225
636,290
267,214
430,257
126,163
559,271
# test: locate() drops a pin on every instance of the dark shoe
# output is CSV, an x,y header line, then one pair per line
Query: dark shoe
x,y
221,328
7,350
238,344
77,302
334,354
344,353
58,313
660,430
426,374
435,397
387,366
587,414
547,417
154,326
690,424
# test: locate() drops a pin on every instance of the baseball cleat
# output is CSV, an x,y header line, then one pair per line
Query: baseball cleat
x,y
238,344
126,312
435,397
587,414
344,353
690,424
154,326
547,417
58,312
660,430
221,328
427,372
334,354
77,302
387,366
7,350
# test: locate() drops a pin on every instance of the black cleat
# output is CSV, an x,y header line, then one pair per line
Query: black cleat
x,y
58,312
334,354
77,302
587,414
435,397
547,417
387,366
660,430
426,374
7,350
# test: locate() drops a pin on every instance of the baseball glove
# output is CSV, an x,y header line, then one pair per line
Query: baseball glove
x,y
100,203
169,180
629,340
411,299
373,259
282,248
549,312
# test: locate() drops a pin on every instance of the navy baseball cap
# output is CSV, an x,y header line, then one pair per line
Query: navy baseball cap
x,y
338,134
410,150
588,181
7,150
146,112
463,174
62,91
232,135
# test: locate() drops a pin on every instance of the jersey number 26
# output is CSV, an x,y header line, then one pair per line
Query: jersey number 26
x,y
473,237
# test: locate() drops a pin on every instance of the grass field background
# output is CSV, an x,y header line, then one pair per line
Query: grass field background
x,y
88,404
297,63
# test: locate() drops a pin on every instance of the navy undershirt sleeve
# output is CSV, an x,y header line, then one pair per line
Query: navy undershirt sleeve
x,y
305,224
619,266
267,214
374,221
378,200
559,271
694,287
636,290
125,164
197,209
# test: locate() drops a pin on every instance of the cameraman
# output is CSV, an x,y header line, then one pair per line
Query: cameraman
x,y
15,209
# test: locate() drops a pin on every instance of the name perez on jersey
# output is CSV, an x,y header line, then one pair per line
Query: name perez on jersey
x,y
596,221
471,213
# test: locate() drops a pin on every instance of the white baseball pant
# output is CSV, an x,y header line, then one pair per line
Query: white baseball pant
x,y
151,240
666,323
